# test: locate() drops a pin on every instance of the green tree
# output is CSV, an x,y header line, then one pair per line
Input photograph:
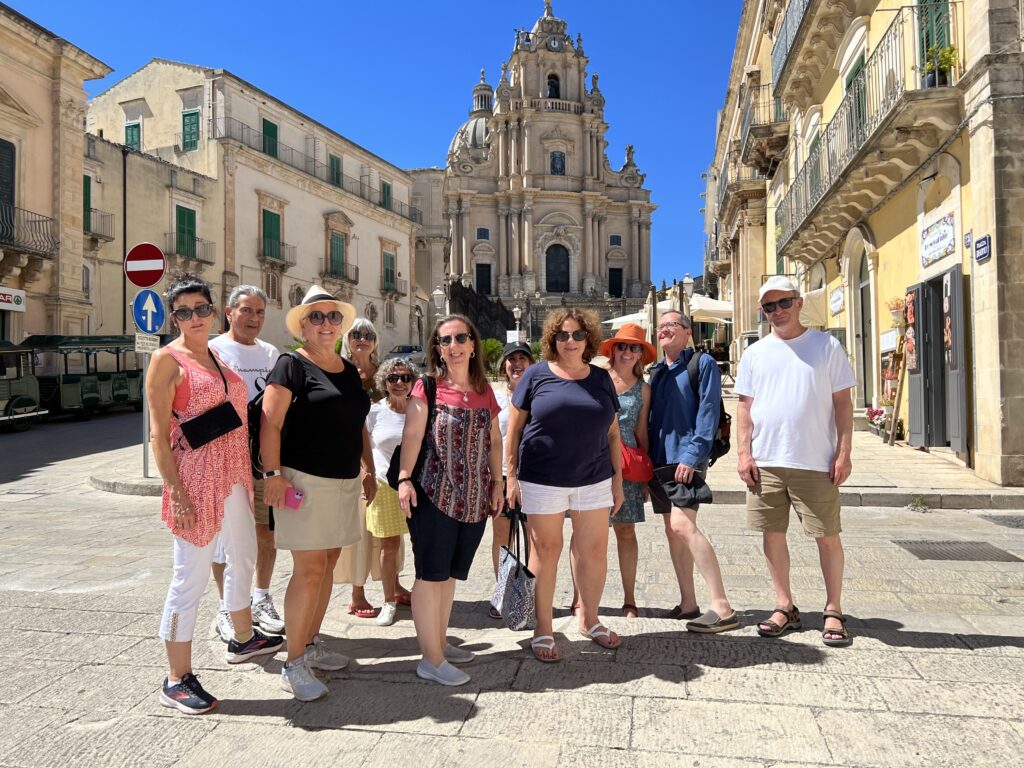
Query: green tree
x,y
535,347
492,351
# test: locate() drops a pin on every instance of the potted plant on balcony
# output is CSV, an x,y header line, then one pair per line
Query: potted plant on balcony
x,y
939,62
896,306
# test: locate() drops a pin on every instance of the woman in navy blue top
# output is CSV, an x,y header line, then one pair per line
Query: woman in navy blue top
x,y
564,455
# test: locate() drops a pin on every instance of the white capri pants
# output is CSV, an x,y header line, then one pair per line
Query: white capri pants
x,y
552,500
192,569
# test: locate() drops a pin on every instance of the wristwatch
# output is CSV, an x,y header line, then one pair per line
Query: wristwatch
x,y
271,473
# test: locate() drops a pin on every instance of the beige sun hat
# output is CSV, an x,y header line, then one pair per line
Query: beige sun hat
x,y
317,295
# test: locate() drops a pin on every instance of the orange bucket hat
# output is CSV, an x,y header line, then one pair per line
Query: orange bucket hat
x,y
630,333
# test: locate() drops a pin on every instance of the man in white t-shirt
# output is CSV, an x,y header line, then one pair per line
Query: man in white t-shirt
x,y
252,359
795,426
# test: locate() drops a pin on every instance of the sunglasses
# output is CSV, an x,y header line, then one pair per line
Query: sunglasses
x,y
181,314
394,378
771,306
334,317
579,335
621,346
458,338
362,335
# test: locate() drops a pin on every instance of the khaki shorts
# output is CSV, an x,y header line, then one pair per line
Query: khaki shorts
x,y
260,510
328,517
812,494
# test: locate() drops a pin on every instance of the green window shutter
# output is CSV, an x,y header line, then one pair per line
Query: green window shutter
x,y
270,138
189,131
133,136
185,231
858,115
385,194
389,270
337,265
933,20
86,203
271,235
335,170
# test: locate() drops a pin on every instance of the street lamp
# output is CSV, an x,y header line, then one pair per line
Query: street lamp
x,y
438,295
517,312
687,293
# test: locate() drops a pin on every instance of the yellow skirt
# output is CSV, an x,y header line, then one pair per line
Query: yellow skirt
x,y
384,517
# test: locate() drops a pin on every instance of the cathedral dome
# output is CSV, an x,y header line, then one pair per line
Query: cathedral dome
x,y
475,132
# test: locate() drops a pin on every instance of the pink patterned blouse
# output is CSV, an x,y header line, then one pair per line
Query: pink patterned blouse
x,y
207,473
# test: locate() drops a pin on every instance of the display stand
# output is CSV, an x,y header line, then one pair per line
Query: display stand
x,y
899,362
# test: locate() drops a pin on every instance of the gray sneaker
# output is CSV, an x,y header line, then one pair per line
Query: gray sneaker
x,y
265,614
319,656
225,629
457,655
445,674
299,681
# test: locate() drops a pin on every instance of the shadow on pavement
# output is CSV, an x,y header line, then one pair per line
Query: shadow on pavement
x,y
889,632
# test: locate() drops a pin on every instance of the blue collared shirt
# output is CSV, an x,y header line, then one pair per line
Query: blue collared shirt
x,y
682,426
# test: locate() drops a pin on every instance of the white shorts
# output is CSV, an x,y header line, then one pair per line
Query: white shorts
x,y
552,500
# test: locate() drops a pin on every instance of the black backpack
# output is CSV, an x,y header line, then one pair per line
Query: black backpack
x,y
254,413
720,444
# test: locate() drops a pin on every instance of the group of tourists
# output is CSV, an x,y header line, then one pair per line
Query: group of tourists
x,y
551,440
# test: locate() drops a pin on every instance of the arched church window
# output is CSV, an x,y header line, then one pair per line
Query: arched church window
x,y
556,266
554,88
558,163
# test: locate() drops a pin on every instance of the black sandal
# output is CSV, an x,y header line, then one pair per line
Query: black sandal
x,y
792,622
844,638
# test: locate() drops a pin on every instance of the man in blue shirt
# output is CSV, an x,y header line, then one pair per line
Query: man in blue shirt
x,y
682,427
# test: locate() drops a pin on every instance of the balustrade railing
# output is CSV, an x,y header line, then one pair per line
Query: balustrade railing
x,y
98,224
27,232
795,12
275,250
761,108
343,271
189,246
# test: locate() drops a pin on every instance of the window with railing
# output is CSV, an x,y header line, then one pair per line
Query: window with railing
x,y
336,258
269,138
271,235
133,136
334,170
189,130
185,231
389,272
385,194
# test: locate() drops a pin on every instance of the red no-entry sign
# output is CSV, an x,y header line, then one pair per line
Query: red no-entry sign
x,y
144,265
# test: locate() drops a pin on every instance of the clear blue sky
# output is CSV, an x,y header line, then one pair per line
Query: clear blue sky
x,y
396,77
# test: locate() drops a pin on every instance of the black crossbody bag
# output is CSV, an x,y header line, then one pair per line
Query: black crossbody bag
x,y
430,388
214,423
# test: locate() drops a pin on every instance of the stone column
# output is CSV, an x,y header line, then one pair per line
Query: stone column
x,y
602,249
646,264
502,149
588,245
454,268
464,238
527,165
529,278
634,262
587,139
515,266
503,287
513,164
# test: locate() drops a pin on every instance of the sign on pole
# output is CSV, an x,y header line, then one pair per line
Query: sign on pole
x,y
511,336
144,265
148,311
146,344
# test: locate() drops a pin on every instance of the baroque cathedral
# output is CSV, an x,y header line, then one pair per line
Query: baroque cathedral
x,y
528,205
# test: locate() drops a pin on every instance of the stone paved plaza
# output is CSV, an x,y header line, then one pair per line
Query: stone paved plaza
x,y
933,678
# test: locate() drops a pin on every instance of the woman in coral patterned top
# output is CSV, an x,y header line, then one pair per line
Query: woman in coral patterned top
x,y
207,491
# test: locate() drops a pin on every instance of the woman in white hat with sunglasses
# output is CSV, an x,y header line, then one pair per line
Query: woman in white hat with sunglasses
x,y
314,442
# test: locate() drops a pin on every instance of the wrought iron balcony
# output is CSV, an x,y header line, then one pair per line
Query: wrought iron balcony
x,y
791,23
342,271
26,232
895,112
277,252
394,285
765,129
737,183
99,225
188,246
230,128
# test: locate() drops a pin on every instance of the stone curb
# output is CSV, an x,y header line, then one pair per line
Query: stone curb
x,y
945,499
139,487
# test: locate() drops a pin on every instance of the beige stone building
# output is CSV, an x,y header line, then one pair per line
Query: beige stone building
x,y
529,203
44,286
874,151
301,203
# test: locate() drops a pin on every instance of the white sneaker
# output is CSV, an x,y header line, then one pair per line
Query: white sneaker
x,y
265,614
299,681
457,655
445,674
319,656
225,629
386,617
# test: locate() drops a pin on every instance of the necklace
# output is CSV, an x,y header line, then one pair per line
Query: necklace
x,y
465,394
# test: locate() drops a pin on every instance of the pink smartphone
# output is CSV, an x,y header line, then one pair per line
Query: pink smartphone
x,y
293,498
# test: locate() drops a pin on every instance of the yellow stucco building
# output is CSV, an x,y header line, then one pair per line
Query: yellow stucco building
x,y
874,151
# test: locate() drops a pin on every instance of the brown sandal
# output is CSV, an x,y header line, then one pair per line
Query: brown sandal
x,y
844,638
792,622
629,607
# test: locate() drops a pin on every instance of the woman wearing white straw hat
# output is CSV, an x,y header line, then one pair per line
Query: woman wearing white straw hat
x,y
313,443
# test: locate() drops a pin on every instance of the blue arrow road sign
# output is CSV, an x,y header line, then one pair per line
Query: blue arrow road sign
x,y
148,311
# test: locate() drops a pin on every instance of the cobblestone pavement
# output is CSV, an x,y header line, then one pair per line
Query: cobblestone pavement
x,y
933,678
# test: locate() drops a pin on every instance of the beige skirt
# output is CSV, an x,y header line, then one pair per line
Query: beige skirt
x,y
329,517
362,560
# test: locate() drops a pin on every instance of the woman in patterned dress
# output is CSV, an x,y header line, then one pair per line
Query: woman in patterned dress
x,y
628,353
207,492
384,518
